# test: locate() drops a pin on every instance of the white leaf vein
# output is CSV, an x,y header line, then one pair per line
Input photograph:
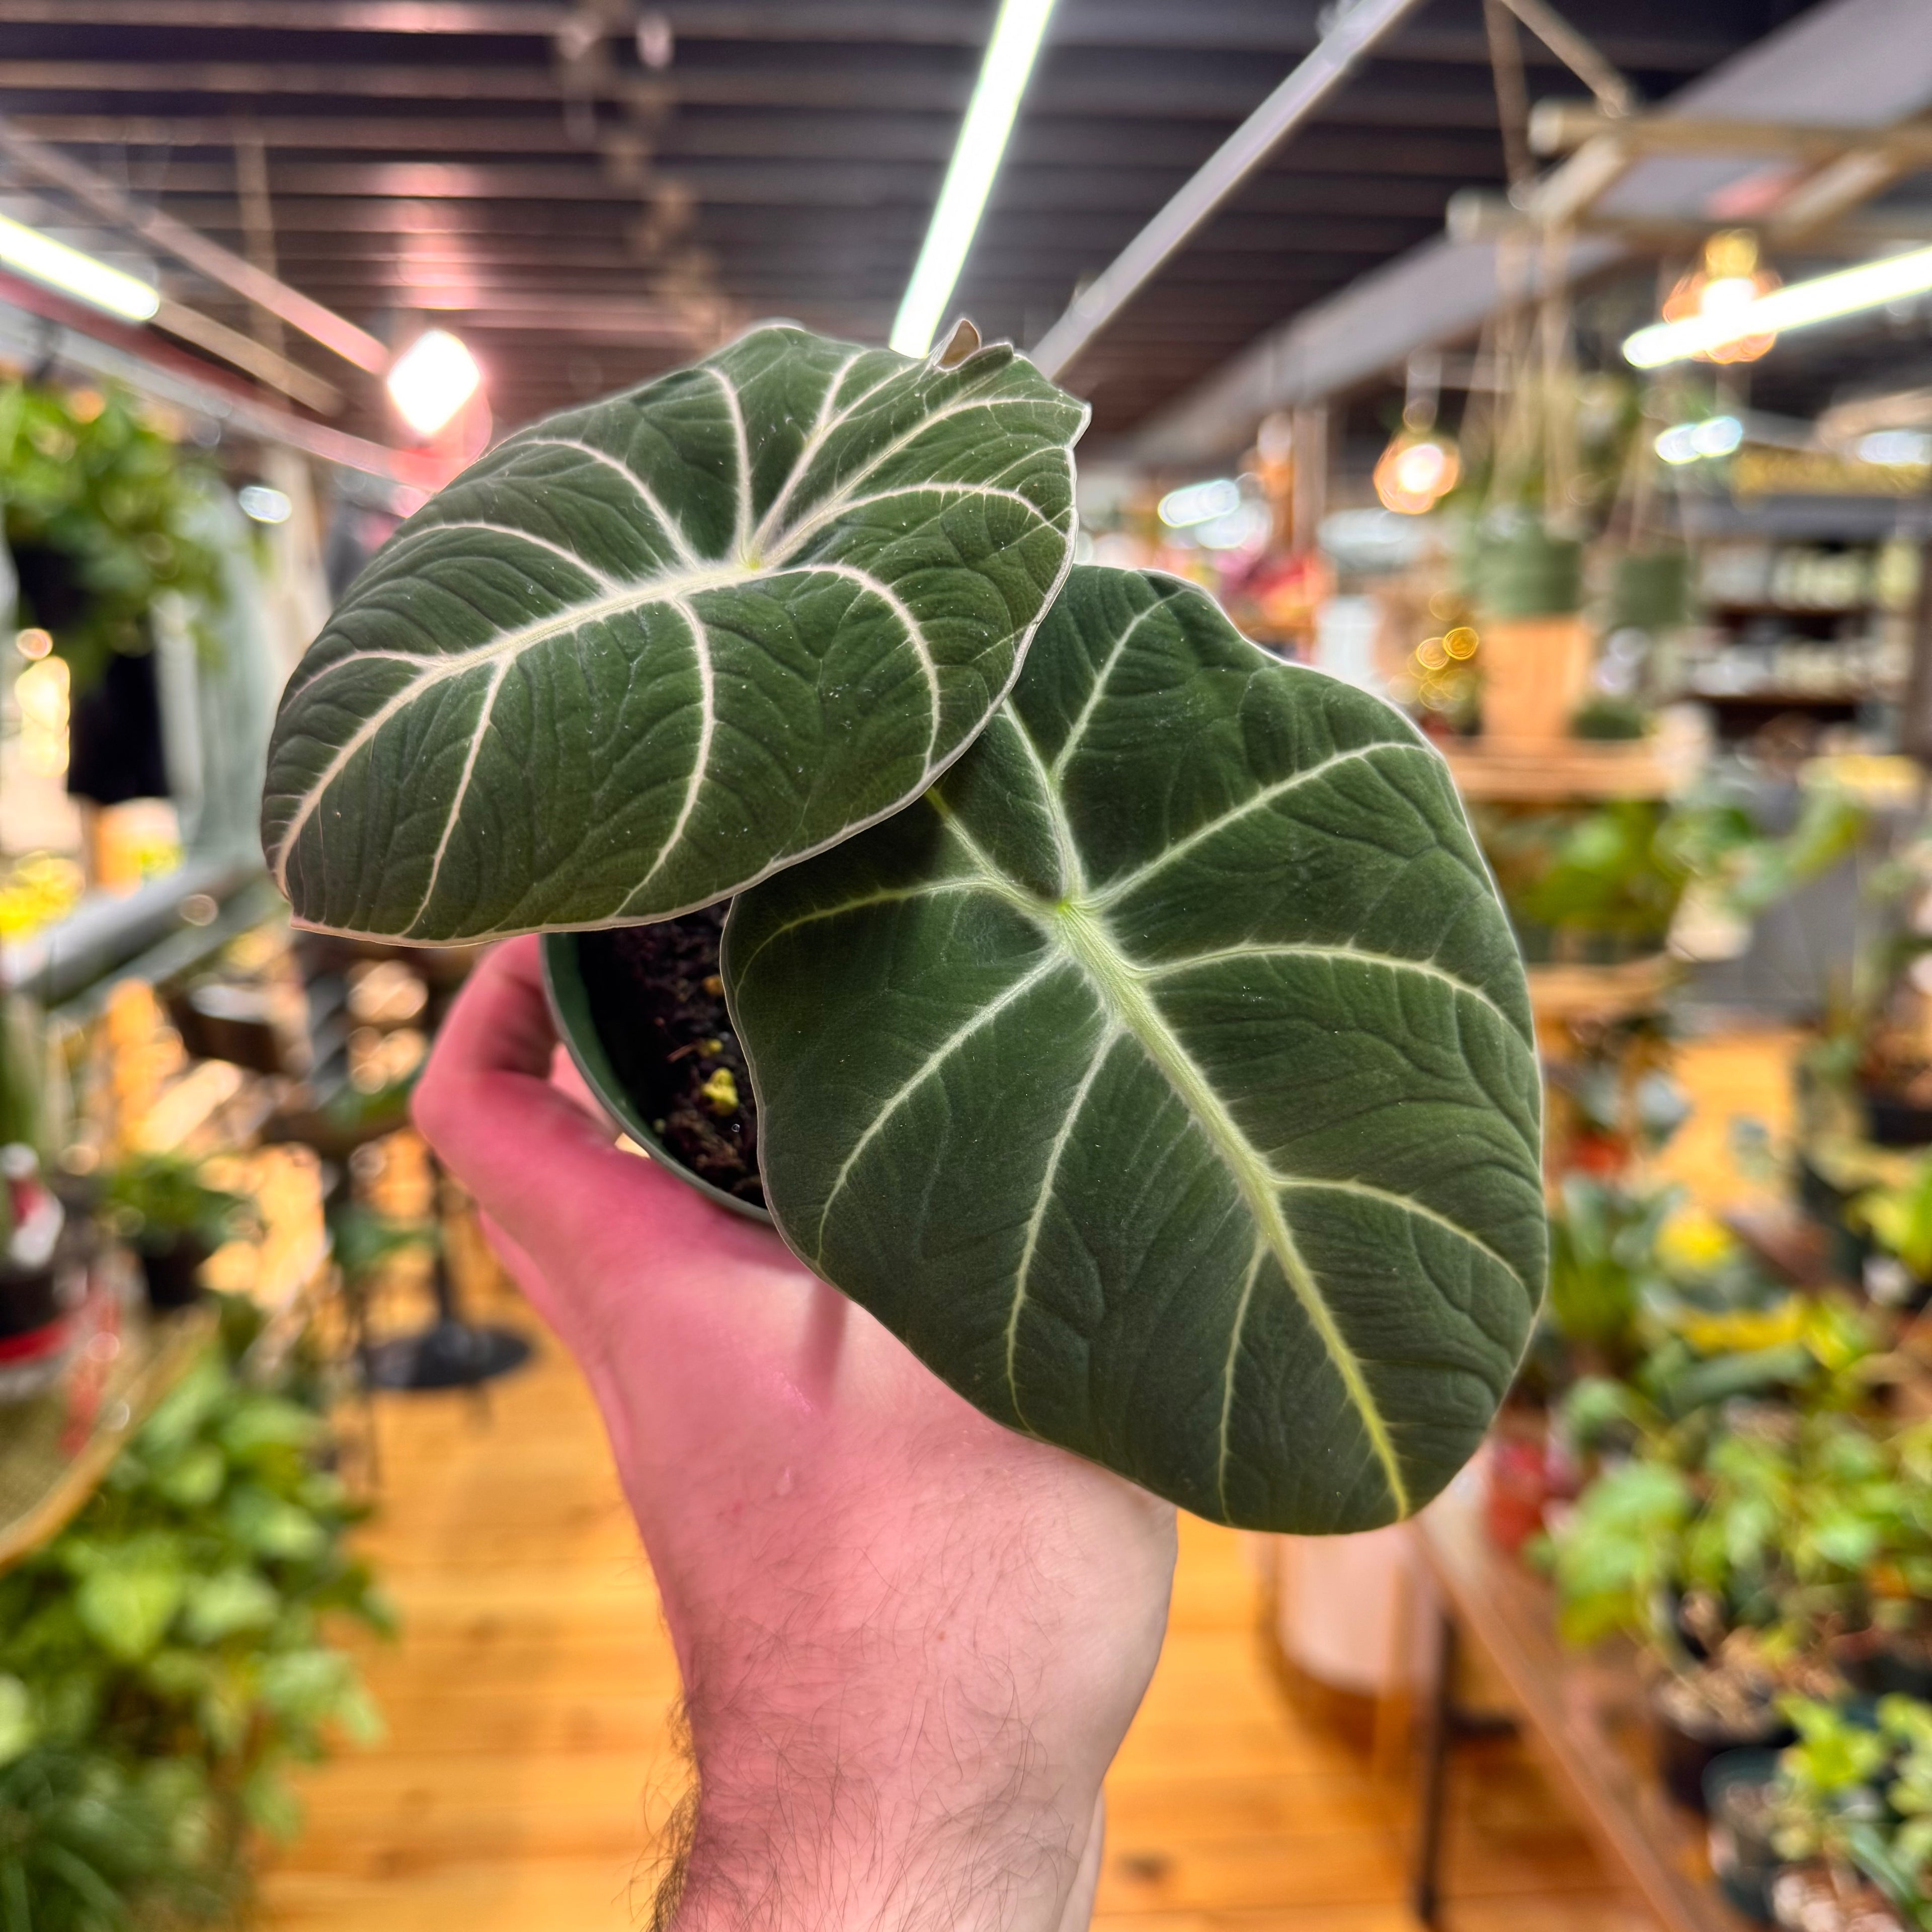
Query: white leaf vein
x,y
425,531
981,1018
455,812
700,761
1348,955
669,524
1077,730
1117,889
1036,1219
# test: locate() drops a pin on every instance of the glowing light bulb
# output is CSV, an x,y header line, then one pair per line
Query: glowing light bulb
x,y
432,380
1416,473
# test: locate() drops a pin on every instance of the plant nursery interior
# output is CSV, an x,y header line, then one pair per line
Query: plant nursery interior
x,y
1082,624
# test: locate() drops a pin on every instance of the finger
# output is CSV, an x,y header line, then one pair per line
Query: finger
x,y
569,1080
538,1164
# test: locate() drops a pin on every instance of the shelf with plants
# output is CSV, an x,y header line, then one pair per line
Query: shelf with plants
x,y
167,1655
1715,1474
131,595
175,1572
1798,626
1716,1487
1609,897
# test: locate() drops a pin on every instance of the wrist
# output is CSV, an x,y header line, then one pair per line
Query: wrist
x,y
813,1821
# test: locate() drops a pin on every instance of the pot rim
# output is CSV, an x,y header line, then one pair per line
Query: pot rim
x,y
569,1002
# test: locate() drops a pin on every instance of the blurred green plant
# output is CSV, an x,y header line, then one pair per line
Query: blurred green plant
x,y
1798,1527
1856,1791
151,1199
1620,870
165,1657
1603,1252
98,511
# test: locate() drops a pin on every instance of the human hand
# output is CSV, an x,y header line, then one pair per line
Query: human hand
x,y
911,1641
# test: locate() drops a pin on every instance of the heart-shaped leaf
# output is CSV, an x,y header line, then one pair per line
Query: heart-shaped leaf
x,y
1165,1077
647,651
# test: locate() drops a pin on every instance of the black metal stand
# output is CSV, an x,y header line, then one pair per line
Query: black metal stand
x,y
1445,1724
450,1353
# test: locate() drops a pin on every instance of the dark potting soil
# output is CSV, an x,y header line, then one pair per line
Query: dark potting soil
x,y
658,1004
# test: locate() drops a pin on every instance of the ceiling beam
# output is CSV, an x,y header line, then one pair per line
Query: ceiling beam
x,y
1086,141
776,86
1555,126
798,182
1349,41
54,169
1290,27
310,254
1075,238
1151,89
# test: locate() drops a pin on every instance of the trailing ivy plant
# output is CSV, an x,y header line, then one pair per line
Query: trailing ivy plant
x,y
165,1657
1134,1026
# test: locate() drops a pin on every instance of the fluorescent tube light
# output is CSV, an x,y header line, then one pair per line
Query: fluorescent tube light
x,y
1017,34
1200,502
74,274
1797,305
1689,442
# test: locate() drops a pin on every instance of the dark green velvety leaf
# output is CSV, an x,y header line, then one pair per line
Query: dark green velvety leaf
x,y
646,652
1164,1078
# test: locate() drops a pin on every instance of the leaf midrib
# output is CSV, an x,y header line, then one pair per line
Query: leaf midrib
x,y
1119,985
1074,924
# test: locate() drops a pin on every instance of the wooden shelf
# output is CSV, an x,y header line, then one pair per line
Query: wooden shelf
x,y
1586,1714
1783,700
1560,993
1554,770
56,1447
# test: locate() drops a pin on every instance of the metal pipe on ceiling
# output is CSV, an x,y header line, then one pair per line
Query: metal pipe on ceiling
x,y
334,332
1334,57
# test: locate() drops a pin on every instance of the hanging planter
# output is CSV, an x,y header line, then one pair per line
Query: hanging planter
x,y
1650,590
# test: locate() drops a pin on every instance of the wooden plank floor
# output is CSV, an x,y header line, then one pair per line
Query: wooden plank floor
x,y
530,1757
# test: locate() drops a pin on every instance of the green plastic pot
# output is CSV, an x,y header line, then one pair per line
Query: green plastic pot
x,y
577,1027
1650,590
1527,573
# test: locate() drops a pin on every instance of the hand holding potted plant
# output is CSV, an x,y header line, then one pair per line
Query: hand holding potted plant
x,y
1127,1020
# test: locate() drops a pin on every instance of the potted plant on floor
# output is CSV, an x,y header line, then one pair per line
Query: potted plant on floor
x,y
1125,1018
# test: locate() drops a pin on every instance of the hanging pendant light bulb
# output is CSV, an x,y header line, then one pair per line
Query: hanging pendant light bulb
x,y
1420,466
1730,278
1415,473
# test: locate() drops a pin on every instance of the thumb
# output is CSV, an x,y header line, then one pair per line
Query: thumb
x,y
539,1165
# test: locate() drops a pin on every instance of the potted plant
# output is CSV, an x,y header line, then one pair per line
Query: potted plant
x,y
1740,1788
170,1655
1851,1812
1527,583
1740,1547
159,1205
1896,1267
1124,1017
